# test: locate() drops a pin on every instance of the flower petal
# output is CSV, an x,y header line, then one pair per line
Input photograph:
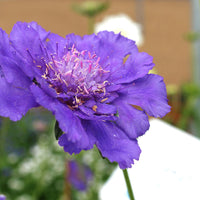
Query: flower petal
x,y
68,145
4,43
42,32
83,115
136,66
68,122
109,47
110,98
88,111
113,142
56,44
13,73
87,42
134,122
23,36
150,94
112,50
115,45
27,43
103,108
14,101
73,39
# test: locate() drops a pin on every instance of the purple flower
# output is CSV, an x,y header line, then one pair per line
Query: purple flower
x,y
79,175
97,86
2,197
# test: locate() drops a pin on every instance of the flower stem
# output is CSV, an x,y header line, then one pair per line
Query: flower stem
x,y
128,184
90,25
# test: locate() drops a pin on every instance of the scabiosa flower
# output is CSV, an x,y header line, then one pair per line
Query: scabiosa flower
x,y
97,86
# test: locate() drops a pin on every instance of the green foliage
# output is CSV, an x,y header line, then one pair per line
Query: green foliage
x,y
33,165
58,132
101,169
90,8
183,101
190,93
192,36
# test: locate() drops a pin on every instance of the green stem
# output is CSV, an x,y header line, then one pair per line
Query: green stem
x,y
3,132
128,184
90,25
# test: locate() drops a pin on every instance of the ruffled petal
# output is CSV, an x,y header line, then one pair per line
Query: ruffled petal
x,y
113,87
82,115
115,46
14,101
4,43
136,66
134,122
68,122
13,73
68,146
42,32
56,44
16,98
110,98
113,143
73,147
87,42
102,108
109,47
150,94
72,39
24,37
27,42
88,111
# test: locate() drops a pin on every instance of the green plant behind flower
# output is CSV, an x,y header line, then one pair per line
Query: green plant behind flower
x,y
90,8
31,163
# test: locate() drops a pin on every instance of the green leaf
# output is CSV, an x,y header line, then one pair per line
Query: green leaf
x,y
57,131
192,36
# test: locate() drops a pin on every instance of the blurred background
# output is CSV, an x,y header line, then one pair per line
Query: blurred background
x,y
32,166
164,24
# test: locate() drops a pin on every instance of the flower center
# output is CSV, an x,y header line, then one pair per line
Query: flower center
x,y
77,75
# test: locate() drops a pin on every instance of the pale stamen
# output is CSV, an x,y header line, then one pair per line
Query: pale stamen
x,y
78,71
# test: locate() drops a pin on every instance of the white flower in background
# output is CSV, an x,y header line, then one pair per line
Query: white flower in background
x,y
124,24
15,184
24,197
37,166
12,158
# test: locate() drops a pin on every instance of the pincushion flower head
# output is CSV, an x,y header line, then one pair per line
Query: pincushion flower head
x,y
97,86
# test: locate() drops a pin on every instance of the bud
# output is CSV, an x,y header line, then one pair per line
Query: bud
x,y
90,8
